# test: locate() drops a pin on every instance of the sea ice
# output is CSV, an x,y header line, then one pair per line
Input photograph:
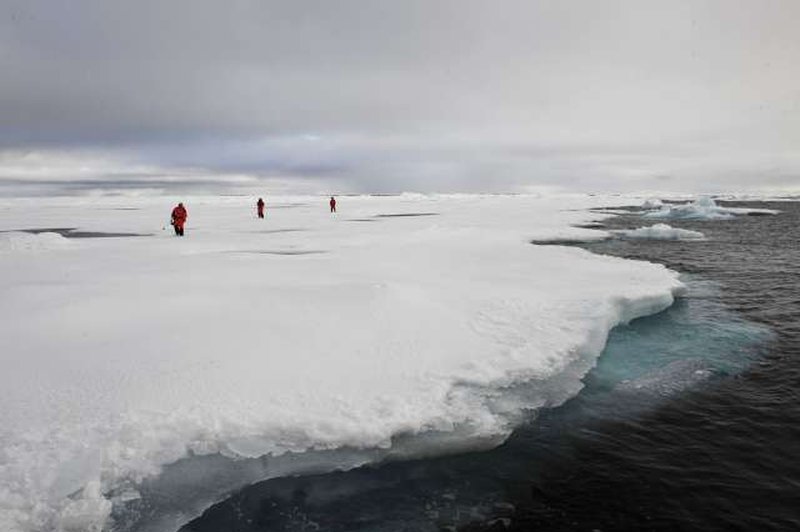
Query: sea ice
x,y
652,203
660,232
704,208
123,355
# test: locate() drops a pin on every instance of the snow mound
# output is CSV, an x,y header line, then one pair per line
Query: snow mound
x,y
18,241
704,208
660,232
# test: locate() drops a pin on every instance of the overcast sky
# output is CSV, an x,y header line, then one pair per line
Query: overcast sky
x,y
378,96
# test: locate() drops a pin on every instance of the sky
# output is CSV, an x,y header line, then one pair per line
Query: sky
x,y
377,96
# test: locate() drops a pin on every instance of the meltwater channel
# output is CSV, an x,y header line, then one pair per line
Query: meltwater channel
x,y
690,421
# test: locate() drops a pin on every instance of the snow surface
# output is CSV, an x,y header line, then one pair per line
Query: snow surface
x,y
660,232
304,331
704,208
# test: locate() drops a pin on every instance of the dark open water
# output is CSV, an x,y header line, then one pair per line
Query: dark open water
x,y
691,421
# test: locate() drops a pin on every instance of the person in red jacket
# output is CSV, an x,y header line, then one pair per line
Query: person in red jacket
x,y
332,203
260,207
179,216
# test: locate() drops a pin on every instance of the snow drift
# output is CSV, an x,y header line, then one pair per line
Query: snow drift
x,y
20,241
124,355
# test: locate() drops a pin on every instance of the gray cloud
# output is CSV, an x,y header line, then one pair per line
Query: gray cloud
x,y
387,96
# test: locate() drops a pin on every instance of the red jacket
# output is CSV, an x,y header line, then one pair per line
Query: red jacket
x,y
179,215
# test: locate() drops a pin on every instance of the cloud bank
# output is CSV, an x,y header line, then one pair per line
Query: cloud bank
x,y
390,96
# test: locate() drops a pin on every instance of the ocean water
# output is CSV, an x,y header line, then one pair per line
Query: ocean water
x,y
690,421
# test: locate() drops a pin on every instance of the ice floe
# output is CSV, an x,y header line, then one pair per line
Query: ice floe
x,y
660,232
124,355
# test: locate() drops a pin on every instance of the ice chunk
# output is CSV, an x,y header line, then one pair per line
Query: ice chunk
x,y
652,203
660,232
704,208
87,512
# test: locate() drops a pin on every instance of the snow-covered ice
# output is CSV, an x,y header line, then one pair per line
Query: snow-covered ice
x,y
660,232
303,331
